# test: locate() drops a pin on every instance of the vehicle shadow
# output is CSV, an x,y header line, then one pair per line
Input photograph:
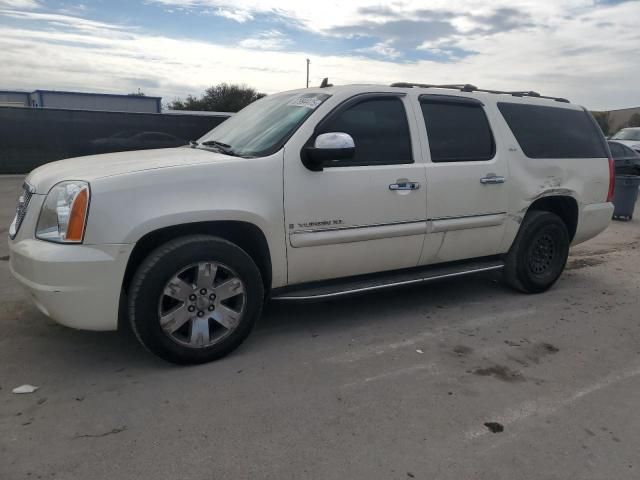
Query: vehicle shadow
x,y
51,347
442,303
48,344
383,306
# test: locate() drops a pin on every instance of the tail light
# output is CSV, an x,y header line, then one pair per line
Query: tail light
x,y
612,180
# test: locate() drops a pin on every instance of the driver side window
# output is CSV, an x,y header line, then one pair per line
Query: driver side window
x,y
379,129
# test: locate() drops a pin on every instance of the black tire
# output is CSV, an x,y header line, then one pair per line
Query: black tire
x,y
538,254
148,286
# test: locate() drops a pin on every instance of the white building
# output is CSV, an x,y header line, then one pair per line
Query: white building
x,y
619,118
81,101
14,98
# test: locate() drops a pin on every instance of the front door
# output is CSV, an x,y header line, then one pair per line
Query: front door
x,y
466,180
361,215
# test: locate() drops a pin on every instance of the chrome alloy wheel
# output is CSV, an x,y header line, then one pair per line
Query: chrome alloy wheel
x,y
202,304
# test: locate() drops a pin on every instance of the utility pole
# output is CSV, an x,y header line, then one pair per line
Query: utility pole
x,y
308,62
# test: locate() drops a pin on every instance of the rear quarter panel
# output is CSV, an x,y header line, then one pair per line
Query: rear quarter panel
x,y
584,179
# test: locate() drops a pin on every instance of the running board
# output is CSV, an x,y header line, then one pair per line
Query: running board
x,y
378,281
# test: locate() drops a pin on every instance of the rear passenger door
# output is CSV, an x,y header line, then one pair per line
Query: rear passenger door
x,y
466,179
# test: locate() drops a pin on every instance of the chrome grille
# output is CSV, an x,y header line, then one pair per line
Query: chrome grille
x,y
21,209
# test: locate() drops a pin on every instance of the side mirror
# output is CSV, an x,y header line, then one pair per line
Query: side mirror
x,y
328,147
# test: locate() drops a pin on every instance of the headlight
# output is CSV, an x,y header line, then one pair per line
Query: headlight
x,y
64,213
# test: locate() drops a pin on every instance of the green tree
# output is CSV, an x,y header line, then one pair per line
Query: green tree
x,y
224,97
634,121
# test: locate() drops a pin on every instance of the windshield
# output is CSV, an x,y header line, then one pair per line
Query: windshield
x,y
627,134
262,127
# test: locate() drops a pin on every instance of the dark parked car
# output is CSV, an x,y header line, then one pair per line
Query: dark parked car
x,y
629,136
132,140
627,160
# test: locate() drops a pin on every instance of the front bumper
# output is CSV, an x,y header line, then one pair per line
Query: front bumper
x,y
76,285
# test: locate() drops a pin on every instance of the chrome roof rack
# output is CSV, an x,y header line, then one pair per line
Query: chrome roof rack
x,y
472,88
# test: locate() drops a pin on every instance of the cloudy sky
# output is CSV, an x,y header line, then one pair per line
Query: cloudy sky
x,y
586,50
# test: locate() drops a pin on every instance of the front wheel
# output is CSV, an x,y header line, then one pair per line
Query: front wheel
x,y
538,254
195,299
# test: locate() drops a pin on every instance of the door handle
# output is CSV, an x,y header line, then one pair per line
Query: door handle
x,y
404,186
492,179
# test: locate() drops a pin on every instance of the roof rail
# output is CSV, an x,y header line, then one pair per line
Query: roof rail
x,y
472,88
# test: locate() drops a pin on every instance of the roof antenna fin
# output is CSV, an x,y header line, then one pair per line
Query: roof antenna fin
x,y
325,83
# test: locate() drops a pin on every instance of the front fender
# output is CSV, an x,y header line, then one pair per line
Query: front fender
x,y
124,208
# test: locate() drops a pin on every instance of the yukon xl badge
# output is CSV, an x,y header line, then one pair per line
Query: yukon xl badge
x,y
320,223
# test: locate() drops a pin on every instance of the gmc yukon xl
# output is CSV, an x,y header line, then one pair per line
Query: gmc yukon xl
x,y
311,194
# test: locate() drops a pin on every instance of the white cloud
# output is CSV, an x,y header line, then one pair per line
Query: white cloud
x,y
384,49
20,4
587,55
322,16
73,9
61,20
269,40
239,16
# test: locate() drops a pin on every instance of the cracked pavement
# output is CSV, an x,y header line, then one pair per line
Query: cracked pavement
x,y
461,379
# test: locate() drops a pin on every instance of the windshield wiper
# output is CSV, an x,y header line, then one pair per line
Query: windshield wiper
x,y
216,143
223,147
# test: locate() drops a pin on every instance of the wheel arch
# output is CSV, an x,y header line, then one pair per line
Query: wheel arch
x,y
245,235
565,206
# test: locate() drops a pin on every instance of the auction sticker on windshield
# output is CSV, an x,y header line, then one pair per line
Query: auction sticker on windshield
x,y
306,101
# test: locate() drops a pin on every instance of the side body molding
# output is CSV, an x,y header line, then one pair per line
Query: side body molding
x,y
462,223
329,236
312,238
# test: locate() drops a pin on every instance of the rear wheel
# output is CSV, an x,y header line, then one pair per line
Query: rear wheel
x,y
195,299
538,254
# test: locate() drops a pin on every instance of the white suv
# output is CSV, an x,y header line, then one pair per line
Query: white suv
x,y
311,194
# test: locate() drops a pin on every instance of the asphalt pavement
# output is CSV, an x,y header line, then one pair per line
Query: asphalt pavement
x,y
461,379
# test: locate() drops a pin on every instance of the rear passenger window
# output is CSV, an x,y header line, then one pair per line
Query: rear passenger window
x,y
458,130
551,132
379,129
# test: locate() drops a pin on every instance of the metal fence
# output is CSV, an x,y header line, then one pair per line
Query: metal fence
x,y
30,137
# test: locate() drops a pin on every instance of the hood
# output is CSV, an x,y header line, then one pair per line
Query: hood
x,y
93,167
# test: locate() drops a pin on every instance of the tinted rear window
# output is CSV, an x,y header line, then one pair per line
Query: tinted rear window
x,y
457,131
550,132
